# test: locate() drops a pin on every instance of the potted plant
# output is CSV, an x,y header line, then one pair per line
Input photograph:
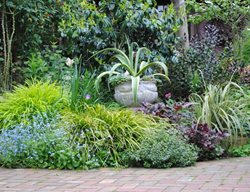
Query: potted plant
x,y
134,90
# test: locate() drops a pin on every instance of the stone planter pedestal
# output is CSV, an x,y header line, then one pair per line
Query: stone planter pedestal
x,y
147,92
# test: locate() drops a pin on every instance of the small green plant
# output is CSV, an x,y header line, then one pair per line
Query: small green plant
x,y
36,67
196,83
223,108
118,79
28,100
47,65
88,94
164,149
109,132
240,151
131,63
82,87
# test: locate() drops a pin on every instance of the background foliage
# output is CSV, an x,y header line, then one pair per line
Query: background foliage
x,y
93,28
234,13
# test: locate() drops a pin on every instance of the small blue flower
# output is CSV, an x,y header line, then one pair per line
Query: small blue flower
x,y
87,96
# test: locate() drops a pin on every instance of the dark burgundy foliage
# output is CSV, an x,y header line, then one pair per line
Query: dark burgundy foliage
x,y
207,140
179,113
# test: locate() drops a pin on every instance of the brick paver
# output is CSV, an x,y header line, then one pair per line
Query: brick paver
x,y
228,175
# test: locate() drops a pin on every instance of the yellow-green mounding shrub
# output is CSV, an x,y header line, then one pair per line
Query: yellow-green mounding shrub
x,y
107,133
28,100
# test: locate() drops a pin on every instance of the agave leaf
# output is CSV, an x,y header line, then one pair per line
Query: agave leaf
x,y
143,63
130,51
122,59
162,65
135,87
99,77
137,57
112,49
112,70
162,75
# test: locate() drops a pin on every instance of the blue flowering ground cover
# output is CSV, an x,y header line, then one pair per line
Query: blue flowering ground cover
x,y
42,143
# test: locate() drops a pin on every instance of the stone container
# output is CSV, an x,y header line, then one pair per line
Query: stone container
x,y
147,92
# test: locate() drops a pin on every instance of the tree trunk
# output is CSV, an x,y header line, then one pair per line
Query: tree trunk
x,y
183,31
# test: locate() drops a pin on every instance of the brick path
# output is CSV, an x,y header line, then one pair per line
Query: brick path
x,y
215,176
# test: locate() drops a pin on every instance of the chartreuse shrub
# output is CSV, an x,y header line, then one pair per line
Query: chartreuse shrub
x,y
41,143
28,100
107,133
163,149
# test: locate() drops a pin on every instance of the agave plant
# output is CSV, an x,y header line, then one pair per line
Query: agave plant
x,y
223,108
132,65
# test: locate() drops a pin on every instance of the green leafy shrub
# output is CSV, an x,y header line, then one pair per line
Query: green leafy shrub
x,y
28,100
164,149
36,67
41,143
107,133
48,64
201,64
224,108
37,22
233,13
86,27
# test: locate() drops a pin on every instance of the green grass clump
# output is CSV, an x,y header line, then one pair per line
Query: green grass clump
x,y
107,133
224,108
28,100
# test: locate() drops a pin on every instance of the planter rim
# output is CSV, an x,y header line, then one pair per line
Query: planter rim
x,y
141,81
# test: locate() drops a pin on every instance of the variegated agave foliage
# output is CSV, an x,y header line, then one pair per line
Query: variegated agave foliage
x,y
132,64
